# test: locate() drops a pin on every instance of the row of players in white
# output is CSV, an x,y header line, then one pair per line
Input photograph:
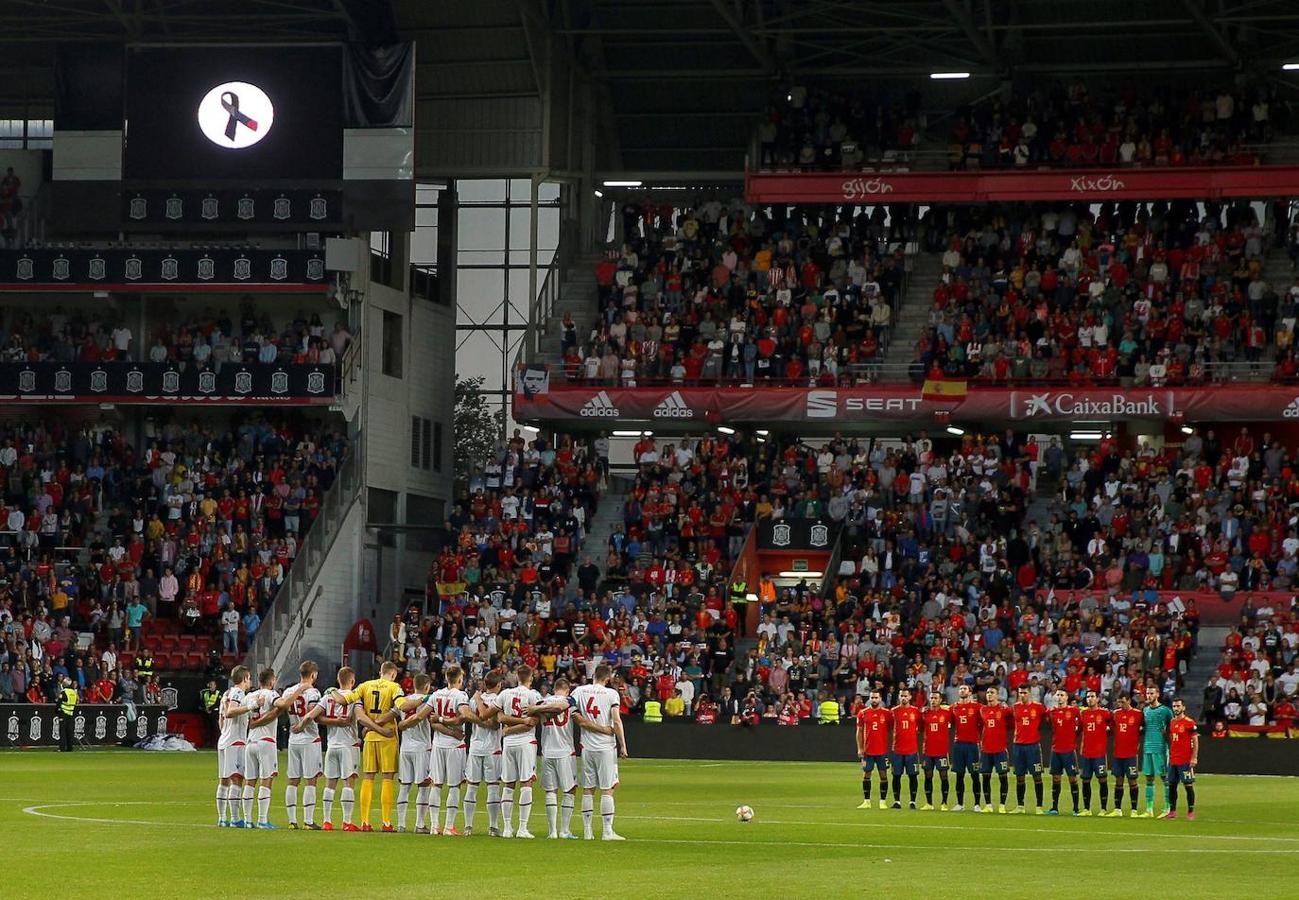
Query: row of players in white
x,y
501,751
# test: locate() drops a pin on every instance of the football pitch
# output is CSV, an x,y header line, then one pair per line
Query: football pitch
x,y
134,824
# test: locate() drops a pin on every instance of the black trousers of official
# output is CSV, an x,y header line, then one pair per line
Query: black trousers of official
x,y
65,733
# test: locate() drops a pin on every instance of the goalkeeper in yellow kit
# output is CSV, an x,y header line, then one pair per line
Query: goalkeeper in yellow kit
x,y
379,752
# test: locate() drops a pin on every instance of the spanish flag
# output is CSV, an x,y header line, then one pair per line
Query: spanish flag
x,y
944,389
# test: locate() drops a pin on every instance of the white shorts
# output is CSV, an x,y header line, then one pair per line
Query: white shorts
x,y
340,762
412,766
261,760
519,763
230,761
448,765
558,774
304,760
484,768
600,769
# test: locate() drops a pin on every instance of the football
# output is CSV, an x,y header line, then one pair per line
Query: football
x,y
744,813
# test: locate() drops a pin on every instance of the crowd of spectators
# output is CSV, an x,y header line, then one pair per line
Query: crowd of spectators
x,y
721,291
942,582
207,341
1052,125
1257,681
199,526
1132,295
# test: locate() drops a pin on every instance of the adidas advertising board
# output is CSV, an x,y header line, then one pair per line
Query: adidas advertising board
x,y
673,407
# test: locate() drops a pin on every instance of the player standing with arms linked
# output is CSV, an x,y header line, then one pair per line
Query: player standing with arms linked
x,y
873,748
1027,753
1127,744
451,711
1064,750
262,755
1154,747
1095,721
232,713
906,747
994,719
596,708
518,751
558,759
965,754
379,751
305,762
485,756
937,720
416,742
1183,756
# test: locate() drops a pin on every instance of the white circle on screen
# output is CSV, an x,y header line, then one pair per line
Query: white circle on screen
x,y
236,115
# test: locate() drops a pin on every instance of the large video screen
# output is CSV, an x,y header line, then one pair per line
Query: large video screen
x,y
243,114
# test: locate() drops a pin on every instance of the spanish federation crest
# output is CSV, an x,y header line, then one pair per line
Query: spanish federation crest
x,y
316,383
243,382
101,727
138,208
26,381
170,698
279,268
243,268
141,727
120,731
282,208
62,268
280,383
99,381
25,269
819,535
170,269
135,381
98,268
780,535
170,382
315,268
134,268
175,207
206,382
206,269
79,727
318,208
63,381
245,208
210,208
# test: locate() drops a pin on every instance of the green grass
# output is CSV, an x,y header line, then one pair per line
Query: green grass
x,y
133,824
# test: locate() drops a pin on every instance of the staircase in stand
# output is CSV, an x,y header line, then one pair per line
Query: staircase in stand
x,y
913,311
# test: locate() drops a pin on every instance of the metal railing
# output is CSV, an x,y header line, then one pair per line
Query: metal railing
x,y
544,305
290,607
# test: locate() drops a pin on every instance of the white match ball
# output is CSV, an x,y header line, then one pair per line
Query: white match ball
x,y
744,813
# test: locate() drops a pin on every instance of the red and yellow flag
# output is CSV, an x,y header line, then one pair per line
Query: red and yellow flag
x,y
944,389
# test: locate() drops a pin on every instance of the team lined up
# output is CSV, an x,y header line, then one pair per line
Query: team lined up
x,y
425,741
978,739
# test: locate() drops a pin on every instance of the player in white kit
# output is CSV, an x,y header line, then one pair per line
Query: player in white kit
x,y
485,755
450,710
558,759
596,708
233,716
343,746
416,753
305,762
518,750
262,755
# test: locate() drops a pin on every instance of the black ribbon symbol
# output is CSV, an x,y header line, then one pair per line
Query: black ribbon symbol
x,y
230,103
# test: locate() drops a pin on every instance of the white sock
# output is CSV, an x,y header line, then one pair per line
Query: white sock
x,y
494,805
453,804
435,806
309,804
471,804
507,805
221,802
566,813
291,802
421,804
552,811
348,800
329,804
403,802
264,803
588,808
525,807
248,793
606,812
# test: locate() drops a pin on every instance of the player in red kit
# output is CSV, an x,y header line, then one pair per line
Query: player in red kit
x,y
937,720
873,722
1064,747
994,720
1026,755
906,747
1127,744
1183,756
1095,720
965,753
